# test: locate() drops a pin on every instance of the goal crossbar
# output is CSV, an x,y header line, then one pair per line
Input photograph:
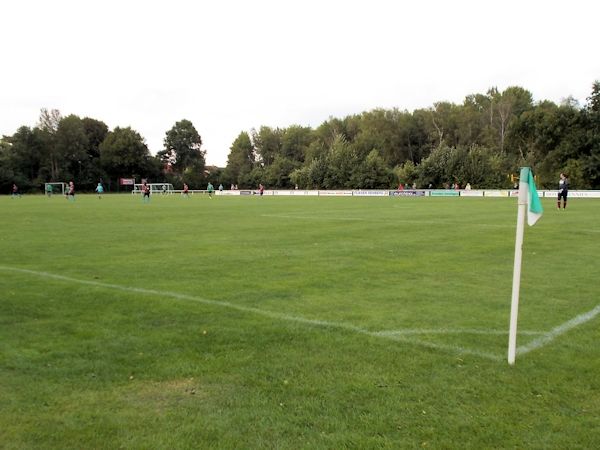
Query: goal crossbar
x,y
51,188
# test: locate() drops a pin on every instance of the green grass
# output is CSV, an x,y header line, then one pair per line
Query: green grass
x,y
275,323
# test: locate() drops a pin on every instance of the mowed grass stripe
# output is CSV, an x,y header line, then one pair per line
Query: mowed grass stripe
x,y
398,337
84,366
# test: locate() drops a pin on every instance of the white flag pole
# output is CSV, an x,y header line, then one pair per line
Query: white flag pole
x,y
514,306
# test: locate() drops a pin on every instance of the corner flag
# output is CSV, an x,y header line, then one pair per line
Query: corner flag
x,y
528,201
534,206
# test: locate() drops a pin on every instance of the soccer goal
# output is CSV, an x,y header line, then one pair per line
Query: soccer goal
x,y
155,188
55,188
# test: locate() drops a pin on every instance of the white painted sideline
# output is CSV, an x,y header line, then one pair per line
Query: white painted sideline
x,y
406,331
261,312
557,331
393,335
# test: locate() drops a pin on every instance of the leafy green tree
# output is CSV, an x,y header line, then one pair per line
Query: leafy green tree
x,y
182,147
591,161
301,177
123,153
342,161
317,173
7,174
241,159
295,142
48,124
407,173
513,102
267,144
96,131
252,179
372,173
194,175
277,175
71,145
24,156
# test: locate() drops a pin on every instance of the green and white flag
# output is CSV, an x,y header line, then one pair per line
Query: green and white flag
x,y
529,203
534,205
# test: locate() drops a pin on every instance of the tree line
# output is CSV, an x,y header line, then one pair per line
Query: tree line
x,y
480,141
85,150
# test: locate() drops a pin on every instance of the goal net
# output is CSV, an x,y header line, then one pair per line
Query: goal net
x,y
55,188
155,188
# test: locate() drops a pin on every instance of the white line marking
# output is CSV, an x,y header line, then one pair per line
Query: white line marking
x,y
411,331
264,313
557,331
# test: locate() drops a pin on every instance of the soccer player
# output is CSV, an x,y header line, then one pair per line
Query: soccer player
x,y
563,190
71,192
99,190
261,189
15,191
145,193
210,189
186,190
49,190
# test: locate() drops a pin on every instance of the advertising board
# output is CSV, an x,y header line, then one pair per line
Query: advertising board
x,y
471,193
495,193
444,193
335,193
410,193
369,193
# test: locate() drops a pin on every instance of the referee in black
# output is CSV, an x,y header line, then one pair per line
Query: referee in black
x,y
563,190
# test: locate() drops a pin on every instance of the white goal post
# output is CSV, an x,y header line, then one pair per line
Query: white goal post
x,y
155,188
54,188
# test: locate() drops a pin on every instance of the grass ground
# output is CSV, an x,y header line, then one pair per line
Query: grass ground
x,y
295,323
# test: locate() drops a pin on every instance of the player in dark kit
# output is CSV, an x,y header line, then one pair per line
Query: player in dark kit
x,y
145,193
71,192
563,190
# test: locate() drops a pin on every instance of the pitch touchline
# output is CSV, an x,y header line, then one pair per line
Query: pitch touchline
x,y
389,335
557,331
408,331
262,312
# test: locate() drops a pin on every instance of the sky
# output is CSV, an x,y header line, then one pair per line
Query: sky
x,y
231,65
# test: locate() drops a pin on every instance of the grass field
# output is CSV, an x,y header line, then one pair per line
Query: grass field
x,y
245,322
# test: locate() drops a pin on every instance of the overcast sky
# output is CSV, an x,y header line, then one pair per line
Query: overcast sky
x,y
232,65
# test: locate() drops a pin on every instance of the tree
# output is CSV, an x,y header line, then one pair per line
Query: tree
x,y
71,147
241,158
277,175
295,142
96,131
513,102
48,124
7,174
267,144
591,164
342,161
23,155
372,173
407,173
123,153
182,147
